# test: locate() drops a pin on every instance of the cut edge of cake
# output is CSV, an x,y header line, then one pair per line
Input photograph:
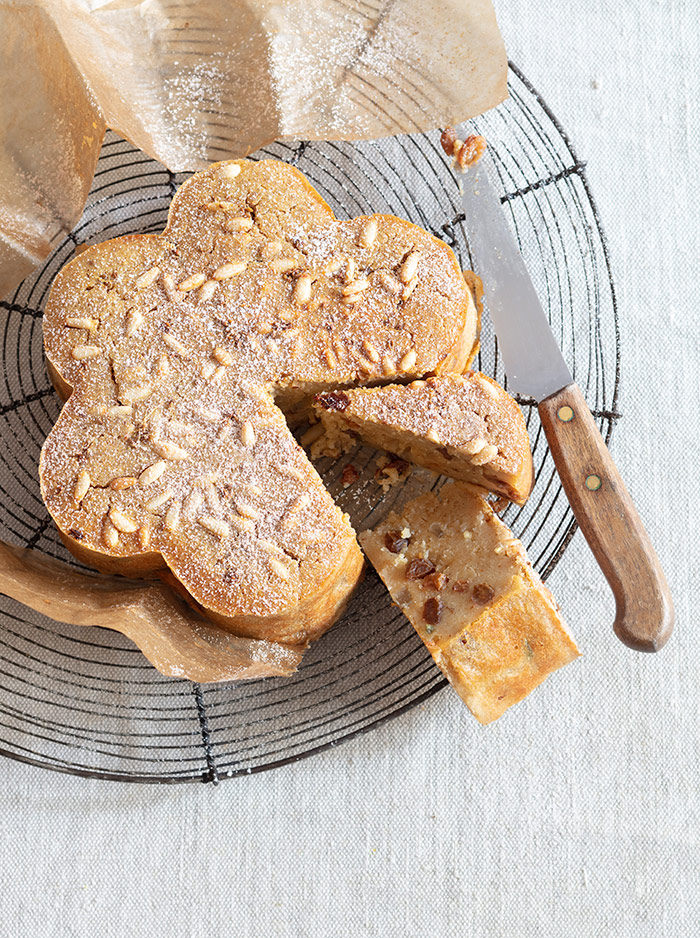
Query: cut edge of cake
x,y
496,631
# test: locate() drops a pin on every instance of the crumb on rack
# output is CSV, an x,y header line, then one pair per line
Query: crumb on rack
x,y
391,470
464,152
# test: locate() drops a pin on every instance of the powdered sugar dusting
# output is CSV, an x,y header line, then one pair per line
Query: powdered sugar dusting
x,y
239,514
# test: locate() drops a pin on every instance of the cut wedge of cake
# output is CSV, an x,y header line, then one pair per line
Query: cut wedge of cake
x,y
463,426
465,583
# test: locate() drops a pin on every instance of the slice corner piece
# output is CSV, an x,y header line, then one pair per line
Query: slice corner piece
x,y
466,585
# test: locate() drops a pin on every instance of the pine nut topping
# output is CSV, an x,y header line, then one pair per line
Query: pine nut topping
x,y
370,351
232,269
409,288
123,482
368,234
388,365
431,435
81,322
169,287
270,249
120,410
409,267
213,499
220,206
302,290
176,345
281,569
144,536
83,352
110,535
475,446
153,472
486,455
145,280
192,283
170,450
153,503
122,522
215,525
350,270
243,525
208,290
208,414
246,511
163,365
193,502
208,369
223,356
281,265
82,486
252,487
356,286
408,361
241,223
230,170
138,393
171,521
333,266
389,282
247,433
134,321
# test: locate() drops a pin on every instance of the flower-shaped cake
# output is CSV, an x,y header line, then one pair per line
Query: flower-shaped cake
x,y
180,355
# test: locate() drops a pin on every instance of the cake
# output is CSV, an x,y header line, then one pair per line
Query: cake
x,y
463,426
467,587
182,356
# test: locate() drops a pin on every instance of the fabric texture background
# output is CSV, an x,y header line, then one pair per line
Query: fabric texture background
x,y
576,815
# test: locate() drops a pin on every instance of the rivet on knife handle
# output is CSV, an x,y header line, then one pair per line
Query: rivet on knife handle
x,y
610,522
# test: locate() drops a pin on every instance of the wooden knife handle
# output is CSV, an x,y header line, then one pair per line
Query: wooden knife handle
x,y
610,522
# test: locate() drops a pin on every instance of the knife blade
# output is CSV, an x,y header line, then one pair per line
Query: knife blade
x,y
532,359
535,366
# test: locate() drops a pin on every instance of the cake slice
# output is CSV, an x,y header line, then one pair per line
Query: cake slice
x,y
466,585
463,426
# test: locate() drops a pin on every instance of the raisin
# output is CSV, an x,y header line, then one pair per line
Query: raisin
x,y
436,581
349,475
432,610
482,594
471,151
334,400
394,542
448,138
419,568
401,465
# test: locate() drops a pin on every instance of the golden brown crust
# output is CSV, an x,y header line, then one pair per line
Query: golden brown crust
x,y
170,454
463,426
469,590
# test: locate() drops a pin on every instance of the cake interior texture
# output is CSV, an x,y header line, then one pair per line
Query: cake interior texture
x,y
464,426
466,584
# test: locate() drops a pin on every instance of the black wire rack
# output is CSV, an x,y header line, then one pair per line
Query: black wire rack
x,y
85,701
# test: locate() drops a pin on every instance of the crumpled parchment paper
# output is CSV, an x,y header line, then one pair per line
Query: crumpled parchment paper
x,y
189,83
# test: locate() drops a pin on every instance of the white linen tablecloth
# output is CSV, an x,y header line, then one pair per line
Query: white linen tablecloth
x,y
576,815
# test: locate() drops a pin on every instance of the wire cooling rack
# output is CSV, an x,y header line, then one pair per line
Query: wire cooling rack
x,y
84,700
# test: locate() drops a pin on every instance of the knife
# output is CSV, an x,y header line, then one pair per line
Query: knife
x,y
536,367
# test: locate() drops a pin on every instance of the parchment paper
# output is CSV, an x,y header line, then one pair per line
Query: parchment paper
x,y
194,82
